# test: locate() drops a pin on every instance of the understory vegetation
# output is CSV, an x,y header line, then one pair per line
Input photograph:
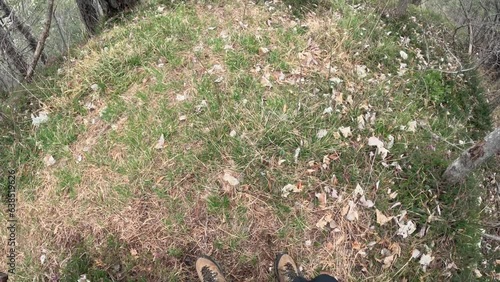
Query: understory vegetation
x,y
240,130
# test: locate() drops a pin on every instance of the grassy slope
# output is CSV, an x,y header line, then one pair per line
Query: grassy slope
x,y
115,207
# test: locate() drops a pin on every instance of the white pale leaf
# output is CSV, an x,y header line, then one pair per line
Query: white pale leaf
x,y
41,118
296,155
358,190
352,214
161,143
233,181
415,254
374,141
412,126
42,258
49,160
366,203
328,110
321,133
346,131
406,229
403,55
391,141
361,122
426,259
361,71
287,189
381,218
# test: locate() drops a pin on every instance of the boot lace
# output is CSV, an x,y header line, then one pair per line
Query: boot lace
x,y
208,275
289,271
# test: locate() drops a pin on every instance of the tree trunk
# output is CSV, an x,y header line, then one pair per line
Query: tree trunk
x,y
91,16
401,8
8,47
113,7
21,27
58,25
473,157
41,42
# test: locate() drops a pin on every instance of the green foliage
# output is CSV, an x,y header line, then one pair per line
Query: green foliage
x,y
217,204
68,180
437,88
81,263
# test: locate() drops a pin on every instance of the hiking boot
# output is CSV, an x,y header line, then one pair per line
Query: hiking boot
x,y
285,268
208,270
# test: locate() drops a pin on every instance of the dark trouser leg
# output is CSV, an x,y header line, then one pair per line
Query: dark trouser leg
x,y
324,278
320,278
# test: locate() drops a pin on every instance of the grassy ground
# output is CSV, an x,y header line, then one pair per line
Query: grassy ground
x,y
238,130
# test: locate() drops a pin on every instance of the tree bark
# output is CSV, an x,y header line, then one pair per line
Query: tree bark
x,y
21,27
112,7
90,15
13,55
41,42
473,157
65,46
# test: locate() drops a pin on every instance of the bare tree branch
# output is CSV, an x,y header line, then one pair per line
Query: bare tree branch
x,y
469,26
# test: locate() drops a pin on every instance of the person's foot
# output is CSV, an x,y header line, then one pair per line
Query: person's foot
x,y
208,270
285,268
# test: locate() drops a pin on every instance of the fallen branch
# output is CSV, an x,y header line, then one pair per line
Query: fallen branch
x,y
492,237
41,42
473,157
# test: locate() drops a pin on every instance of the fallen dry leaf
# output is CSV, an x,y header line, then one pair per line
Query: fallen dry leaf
x,y
321,199
361,71
161,143
406,229
381,218
387,261
352,212
285,191
233,181
412,126
358,190
339,99
266,82
366,203
263,51
321,133
346,131
361,122
49,160
324,221
415,254
425,260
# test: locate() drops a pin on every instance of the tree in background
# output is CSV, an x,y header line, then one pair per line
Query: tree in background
x,y
93,11
10,52
24,29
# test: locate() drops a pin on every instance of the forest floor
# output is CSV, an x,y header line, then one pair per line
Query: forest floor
x,y
241,130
